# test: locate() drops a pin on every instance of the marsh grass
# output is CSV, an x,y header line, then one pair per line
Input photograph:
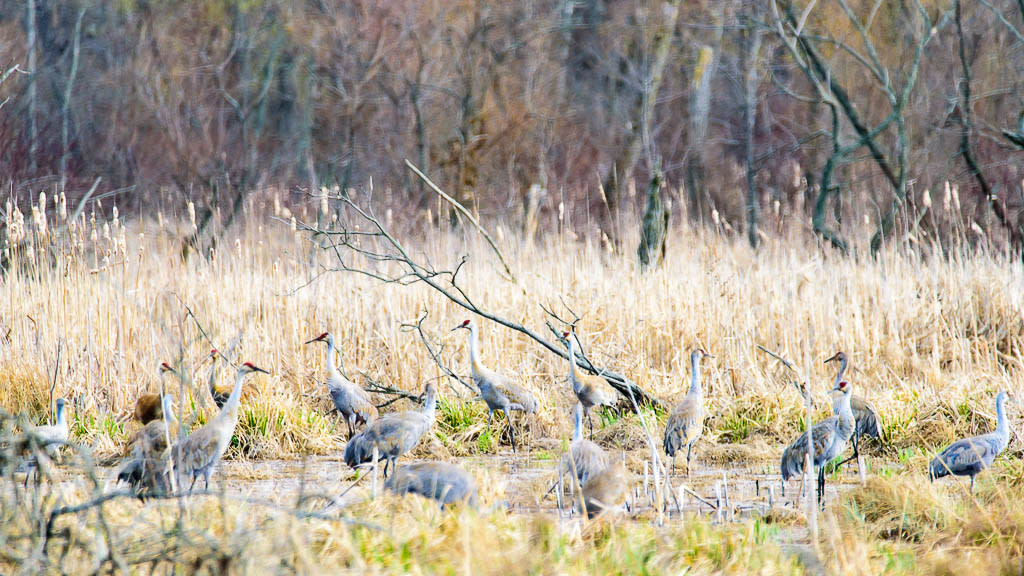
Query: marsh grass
x,y
931,341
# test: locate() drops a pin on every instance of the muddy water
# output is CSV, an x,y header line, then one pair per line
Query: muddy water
x,y
521,483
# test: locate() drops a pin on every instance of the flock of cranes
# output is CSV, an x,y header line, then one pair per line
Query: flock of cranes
x,y
157,465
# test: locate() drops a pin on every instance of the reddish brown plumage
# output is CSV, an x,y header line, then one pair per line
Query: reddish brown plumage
x,y
148,408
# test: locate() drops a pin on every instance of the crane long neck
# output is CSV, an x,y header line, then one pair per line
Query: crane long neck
x,y
332,368
841,373
846,419
231,406
213,374
1002,427
695,374
474,347
577,428
430,403
572,361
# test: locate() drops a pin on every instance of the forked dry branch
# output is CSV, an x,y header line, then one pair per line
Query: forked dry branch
x,y
365,246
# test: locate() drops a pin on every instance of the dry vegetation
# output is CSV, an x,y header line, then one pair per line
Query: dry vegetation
x,y
931,341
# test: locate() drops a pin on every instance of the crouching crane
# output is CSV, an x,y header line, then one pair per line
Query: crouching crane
x,y
439,481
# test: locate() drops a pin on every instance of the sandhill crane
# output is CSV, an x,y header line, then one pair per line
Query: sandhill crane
x,y
220,396
497,390
439,481
864,414
830,438
148,407
686,423
392,434
606,490
350,399
969,456
590,390
147,470
51,437
199,453
587,458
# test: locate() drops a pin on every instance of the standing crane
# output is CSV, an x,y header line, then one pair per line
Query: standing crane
x,y
201,451
686,423
830,438
350,399
969,456
392,434
441,481
864,414
590,390
147,470
585,458
148,407
498,391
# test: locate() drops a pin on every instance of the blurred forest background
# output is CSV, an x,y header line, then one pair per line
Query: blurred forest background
x,y
853,120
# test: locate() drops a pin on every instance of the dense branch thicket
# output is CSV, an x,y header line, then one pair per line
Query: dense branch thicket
x,y
543,107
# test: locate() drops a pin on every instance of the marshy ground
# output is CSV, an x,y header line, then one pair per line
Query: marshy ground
x,y
931,341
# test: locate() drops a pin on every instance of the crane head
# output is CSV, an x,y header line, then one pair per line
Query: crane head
x,y
465,324
843,387
325,337
249,367
165,367
213,354
839,356
704,353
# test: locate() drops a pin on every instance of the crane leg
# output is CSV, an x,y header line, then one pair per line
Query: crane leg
x,y
590,419
490,418
821,484
511,429
972,484
689,447
351,428
193,484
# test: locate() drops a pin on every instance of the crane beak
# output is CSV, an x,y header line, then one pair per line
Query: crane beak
x,y
258,369
835,357
456,328
317,339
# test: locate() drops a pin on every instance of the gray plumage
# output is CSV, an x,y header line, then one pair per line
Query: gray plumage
x,y
439,481
199,453
970,456
585,458
830,437
349,398
865,416
591,390
392,434
498,391
686,422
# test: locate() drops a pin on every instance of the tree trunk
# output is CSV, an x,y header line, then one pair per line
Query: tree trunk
x,y
752,46
655,226
622,169
700,105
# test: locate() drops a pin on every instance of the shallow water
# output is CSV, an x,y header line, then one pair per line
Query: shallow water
x,y
722,493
